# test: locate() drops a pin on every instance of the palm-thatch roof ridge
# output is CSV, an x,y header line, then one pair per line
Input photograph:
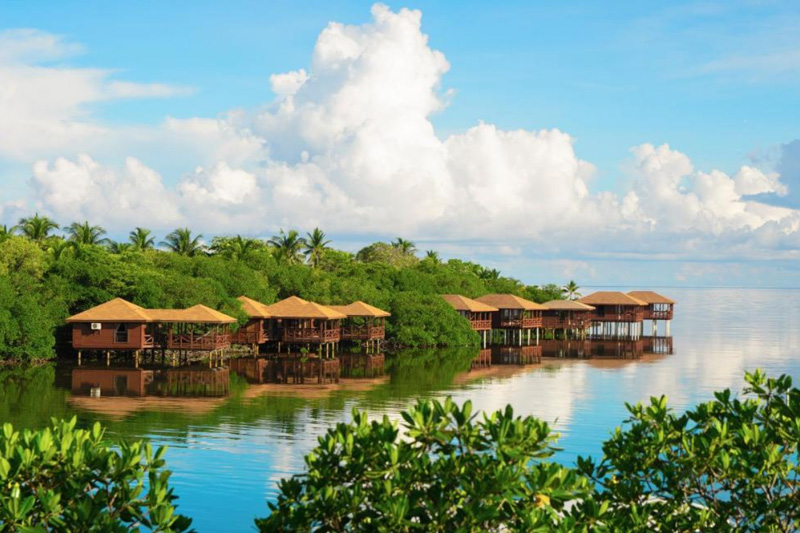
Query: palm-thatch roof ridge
x,y
294,307
651,297
510,301
254,308
116,310
462,303
567,305
360,309
610,298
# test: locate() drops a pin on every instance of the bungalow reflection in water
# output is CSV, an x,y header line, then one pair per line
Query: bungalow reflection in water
x,y
139,382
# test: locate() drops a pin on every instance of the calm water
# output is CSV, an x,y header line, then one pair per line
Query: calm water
x,y
227,454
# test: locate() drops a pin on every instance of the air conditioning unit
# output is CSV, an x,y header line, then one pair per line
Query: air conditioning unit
x,y
96,326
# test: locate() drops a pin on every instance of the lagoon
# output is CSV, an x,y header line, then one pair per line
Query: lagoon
x,y
228,453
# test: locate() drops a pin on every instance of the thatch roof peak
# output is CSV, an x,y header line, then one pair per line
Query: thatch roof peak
x,y
462,303
510,301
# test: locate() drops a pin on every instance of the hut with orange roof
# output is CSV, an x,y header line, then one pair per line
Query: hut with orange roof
x,y
659,307
616,315
197,328
121,326
258,328
299,322
568,316
518,318
363,322
478,313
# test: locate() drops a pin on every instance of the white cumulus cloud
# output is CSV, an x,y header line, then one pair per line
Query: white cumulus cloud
x,y
348,144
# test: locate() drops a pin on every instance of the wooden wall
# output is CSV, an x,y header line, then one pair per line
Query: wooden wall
x,y
84,338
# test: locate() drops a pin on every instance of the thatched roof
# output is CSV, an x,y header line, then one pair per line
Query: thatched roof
x,y
119,310
198,314
610,298
294,307
509,301
650,297
567,305
116,310
359,308
462,303
254,308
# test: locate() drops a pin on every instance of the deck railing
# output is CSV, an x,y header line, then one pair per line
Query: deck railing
x,y
624,315
192,341
311,335
568,322
522,323
658,314
364,333
481,325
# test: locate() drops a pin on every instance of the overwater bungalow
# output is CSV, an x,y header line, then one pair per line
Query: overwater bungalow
x,y
616,314
659,307
196,328
363,322
117,325
121,326
299,322
517,317
258,328
478,313
568,316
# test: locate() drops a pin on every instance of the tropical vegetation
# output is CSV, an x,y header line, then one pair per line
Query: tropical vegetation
x,y
45,277
66,479
726,465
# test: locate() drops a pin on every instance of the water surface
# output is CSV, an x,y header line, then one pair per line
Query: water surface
x,y
228,453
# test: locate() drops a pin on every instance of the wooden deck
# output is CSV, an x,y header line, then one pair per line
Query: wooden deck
x,y
310,335
363,333
212,340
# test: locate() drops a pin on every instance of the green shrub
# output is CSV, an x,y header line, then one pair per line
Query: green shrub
x,y
725,465
66,479
451,471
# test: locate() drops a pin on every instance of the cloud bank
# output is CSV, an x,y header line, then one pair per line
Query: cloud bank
x,y
348,144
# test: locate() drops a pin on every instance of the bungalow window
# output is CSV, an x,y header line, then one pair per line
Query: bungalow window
x,y
121,334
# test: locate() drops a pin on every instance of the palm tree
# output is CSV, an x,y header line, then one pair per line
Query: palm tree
x,y
37,228
181,242
121,247
86,233
407,247
236,248
141,239
315,246
571,290
5,232
489,274
433,256
59,248
288,245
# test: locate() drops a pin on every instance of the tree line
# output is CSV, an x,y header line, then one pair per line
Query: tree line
x,y
46,276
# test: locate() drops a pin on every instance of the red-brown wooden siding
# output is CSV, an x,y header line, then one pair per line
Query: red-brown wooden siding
x,y
83,337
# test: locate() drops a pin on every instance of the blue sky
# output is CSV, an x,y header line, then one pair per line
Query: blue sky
x,y
716,81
